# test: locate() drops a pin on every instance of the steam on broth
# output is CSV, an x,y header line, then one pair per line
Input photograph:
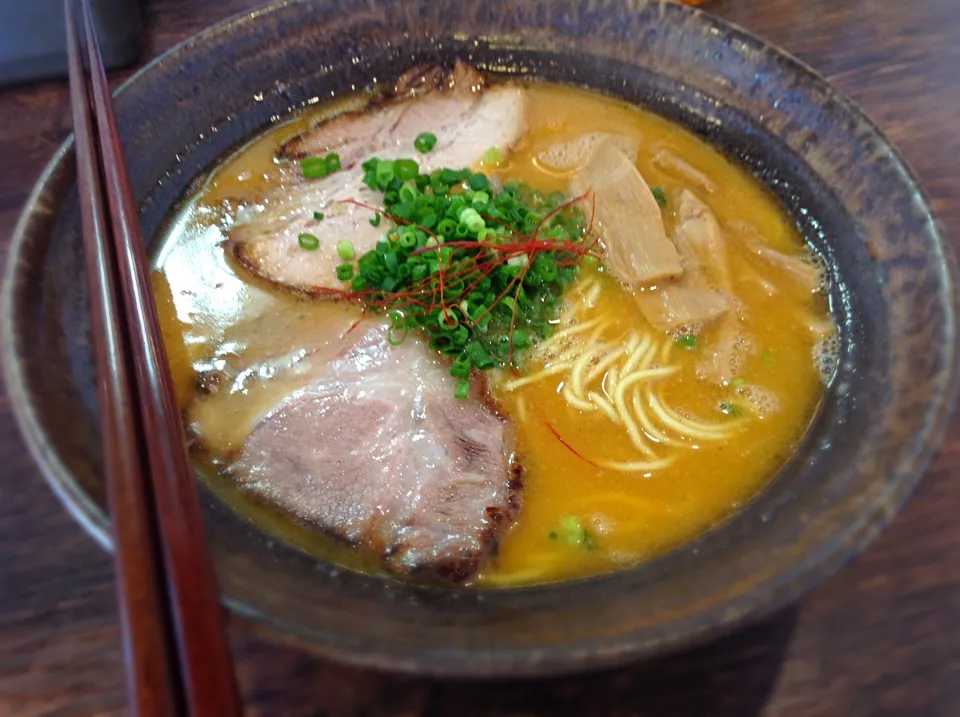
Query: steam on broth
x,y
669,349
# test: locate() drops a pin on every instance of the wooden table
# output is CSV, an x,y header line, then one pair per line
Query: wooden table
x,y
881,638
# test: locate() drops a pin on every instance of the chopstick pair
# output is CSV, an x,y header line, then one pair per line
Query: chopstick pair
x,y
175,648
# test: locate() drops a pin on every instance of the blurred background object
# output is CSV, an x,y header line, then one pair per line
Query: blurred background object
x,y
32,44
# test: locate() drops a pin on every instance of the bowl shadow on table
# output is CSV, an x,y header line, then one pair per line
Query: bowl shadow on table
x,y
730,677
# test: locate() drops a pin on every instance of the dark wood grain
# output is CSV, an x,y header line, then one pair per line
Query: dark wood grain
x,y
881,638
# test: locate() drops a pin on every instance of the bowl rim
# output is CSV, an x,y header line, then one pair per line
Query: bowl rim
x,y
782,588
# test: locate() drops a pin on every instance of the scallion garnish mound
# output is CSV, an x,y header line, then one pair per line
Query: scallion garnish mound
x,y
480,270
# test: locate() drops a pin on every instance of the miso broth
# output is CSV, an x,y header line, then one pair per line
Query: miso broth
x,y
601,489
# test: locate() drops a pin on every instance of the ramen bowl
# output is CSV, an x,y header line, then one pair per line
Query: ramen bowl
x,y
850,193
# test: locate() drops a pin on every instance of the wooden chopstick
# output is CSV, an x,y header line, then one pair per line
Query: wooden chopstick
x,y
139,576
178,659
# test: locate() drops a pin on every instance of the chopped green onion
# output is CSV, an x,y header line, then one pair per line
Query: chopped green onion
x,y
390,261
446,227
318,216
425,141
729,409
384,173
313,167
472,219
308,241
408,193
405,169
463,388
448,319
450,176
396,335
688,341
478,355
570,528
493,156
345,250
478,182
555,199
375,220
460,369
572,532
317,167
659,195
345,272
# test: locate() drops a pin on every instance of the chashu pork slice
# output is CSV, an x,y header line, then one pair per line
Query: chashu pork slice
x,y
424,98
265,237
371,446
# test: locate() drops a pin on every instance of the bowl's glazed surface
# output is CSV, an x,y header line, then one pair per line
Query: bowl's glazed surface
x,y
852,196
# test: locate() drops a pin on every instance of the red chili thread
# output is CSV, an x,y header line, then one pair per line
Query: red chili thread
x,y
425,292
566,445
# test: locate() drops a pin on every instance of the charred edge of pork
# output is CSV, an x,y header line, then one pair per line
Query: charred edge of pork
x,y
238,249
499,518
